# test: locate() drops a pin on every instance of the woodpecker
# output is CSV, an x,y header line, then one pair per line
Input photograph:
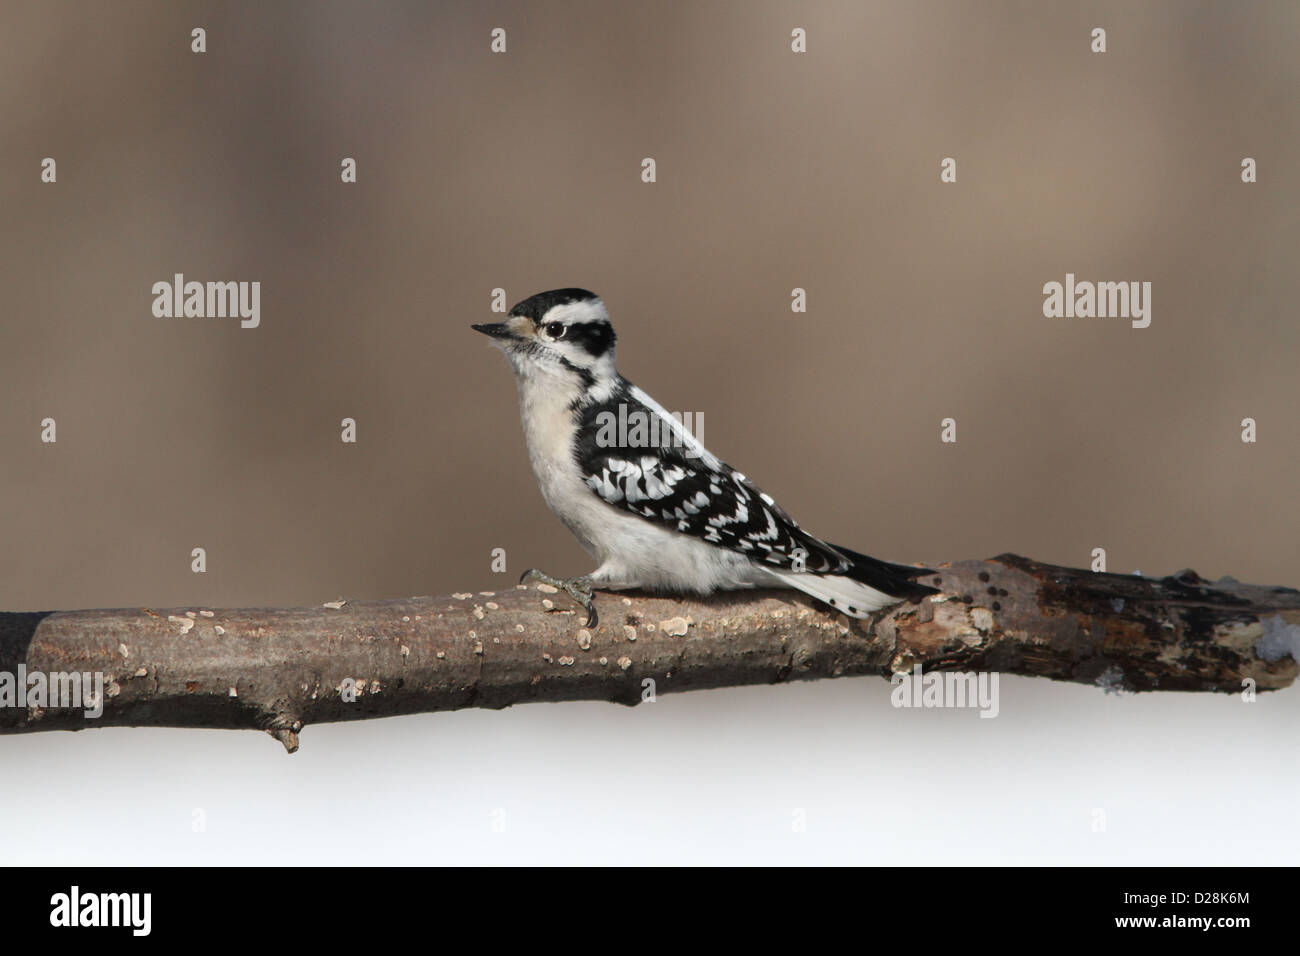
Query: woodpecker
x,y
657,513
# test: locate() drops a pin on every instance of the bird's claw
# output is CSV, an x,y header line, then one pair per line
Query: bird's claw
x,y
578,588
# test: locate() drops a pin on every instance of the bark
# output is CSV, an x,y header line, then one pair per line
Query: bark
x,y
278,669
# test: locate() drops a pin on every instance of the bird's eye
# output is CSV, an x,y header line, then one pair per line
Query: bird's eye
x,y
555,330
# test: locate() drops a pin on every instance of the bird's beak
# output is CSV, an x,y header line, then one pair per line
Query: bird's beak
x,y
497,330
508,335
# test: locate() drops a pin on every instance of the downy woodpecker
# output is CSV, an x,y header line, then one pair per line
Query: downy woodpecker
x,y
661,514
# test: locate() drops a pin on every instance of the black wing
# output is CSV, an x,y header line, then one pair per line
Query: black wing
x,y
665,477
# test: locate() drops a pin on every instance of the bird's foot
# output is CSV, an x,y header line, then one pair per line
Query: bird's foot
x,y
578,588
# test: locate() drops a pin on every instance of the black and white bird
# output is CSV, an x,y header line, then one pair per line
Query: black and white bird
x,y
661,514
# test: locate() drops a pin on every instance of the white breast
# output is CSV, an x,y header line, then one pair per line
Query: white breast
x,y
549,432
631,551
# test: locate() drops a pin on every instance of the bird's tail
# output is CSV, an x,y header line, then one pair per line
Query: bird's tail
x,y
898,580
868,586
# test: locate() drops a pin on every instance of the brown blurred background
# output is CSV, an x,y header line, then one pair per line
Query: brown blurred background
x,y
522,171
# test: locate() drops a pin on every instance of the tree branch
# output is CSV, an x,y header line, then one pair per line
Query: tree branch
x,y
277,669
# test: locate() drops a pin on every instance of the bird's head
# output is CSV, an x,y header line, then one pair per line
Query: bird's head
x,y
564,333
